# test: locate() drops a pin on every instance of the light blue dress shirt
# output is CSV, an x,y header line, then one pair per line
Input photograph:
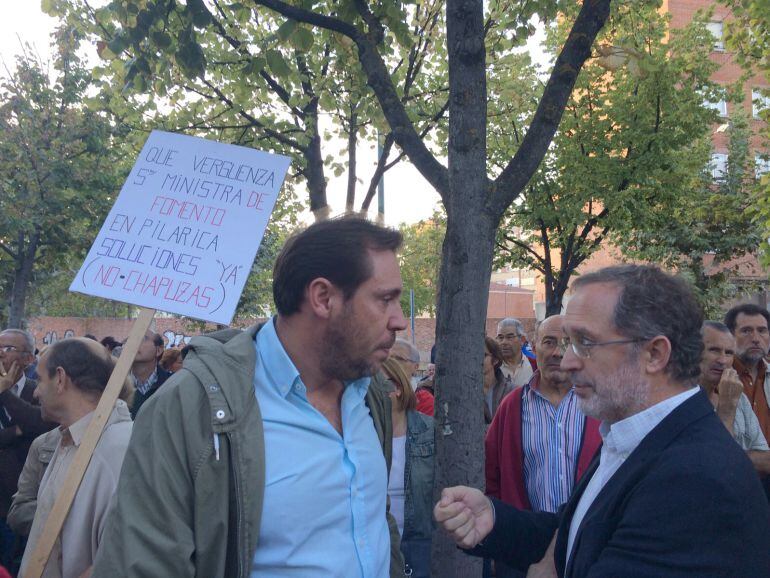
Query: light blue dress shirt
x,y
324,507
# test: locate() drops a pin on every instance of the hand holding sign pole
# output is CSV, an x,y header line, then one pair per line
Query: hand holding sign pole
x,y
181,237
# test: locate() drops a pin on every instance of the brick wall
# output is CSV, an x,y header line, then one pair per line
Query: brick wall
x,y
177,332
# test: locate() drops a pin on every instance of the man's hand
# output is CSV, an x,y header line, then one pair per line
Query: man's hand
x,y
466,514
730,389
9,377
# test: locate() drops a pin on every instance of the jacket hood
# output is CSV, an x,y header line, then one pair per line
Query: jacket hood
x,y
223,362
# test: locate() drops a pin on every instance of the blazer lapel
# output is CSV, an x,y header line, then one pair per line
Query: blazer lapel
x,y
632,470
568,510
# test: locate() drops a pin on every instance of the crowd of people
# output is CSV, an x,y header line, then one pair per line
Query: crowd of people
x,y
625,437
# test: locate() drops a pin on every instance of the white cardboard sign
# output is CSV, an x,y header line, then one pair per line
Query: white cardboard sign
x,y
184,231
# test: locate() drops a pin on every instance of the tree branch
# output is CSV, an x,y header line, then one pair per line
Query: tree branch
x,y
382,84
576,50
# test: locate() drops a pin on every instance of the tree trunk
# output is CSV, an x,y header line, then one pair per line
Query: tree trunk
x,y
350,199
316,182
21,280
464,280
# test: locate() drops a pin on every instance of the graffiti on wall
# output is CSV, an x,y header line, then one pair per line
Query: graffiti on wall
x,y
174,339
51,336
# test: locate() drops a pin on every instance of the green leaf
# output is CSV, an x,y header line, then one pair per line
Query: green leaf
x,y
302,39
162,39
285,30
277,63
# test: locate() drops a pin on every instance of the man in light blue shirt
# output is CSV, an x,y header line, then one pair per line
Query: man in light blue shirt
x,y
326,479
266,455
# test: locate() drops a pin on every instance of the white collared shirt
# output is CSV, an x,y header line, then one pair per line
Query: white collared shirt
x,y
619,441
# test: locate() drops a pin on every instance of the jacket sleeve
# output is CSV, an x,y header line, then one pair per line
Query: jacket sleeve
x,y
150,529
519,537
491,455
22,510
24,414
8,436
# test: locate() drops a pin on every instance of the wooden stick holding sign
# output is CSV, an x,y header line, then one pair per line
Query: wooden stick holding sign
x,y
83,456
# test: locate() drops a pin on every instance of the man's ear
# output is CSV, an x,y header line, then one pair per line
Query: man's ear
x,y
61,380
322,296
656,354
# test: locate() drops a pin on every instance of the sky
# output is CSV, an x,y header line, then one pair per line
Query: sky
x,y
408,197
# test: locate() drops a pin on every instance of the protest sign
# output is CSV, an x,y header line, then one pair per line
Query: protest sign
x,y
184,231
181,237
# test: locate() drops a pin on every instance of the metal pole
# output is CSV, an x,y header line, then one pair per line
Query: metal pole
x,y
380,185
411,311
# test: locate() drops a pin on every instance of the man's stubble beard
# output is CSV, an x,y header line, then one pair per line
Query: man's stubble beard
x,y
341,358
623,394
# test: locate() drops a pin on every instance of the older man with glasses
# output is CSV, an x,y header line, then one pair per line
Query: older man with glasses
x,y
511,337
671,494
20,423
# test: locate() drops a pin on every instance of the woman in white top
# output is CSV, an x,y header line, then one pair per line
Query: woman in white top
x,y
410,486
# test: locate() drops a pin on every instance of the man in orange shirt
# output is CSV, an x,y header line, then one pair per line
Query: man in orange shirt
x,y
749,324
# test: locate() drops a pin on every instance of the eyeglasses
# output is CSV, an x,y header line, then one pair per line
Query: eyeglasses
x,y
508,336
11,349
582,348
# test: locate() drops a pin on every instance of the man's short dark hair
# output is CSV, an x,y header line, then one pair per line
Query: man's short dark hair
x,y
716,326
337,250
88,370
750,309
653,303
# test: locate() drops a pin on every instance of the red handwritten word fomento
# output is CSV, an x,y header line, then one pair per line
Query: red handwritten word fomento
x,y
187,210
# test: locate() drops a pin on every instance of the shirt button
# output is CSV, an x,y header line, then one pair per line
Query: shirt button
x,y
220,414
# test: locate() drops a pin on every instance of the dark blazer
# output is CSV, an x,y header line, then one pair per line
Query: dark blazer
x,y
25,413
687,502
139,398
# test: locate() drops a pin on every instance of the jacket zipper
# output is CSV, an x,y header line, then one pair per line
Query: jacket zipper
x,y
238,508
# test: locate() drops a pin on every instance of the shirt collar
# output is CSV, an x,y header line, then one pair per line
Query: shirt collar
x,y
622,437
281,369
73,434
277,363
18,387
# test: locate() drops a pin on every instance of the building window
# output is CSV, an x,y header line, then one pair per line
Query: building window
x,y
759,102
720,107
718,165
716,30
761,165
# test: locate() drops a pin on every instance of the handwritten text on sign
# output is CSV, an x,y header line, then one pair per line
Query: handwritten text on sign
x,y
184,231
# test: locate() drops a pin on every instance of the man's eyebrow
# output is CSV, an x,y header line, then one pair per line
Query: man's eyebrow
x,y
393,292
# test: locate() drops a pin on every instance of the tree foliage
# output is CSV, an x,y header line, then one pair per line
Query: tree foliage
x,y
748,35
706,231
628,156
252,78
59,167
420,261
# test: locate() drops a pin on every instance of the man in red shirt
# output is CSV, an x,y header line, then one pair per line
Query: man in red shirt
x,y
539,443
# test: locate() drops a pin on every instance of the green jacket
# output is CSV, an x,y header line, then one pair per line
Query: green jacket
x,y
185,507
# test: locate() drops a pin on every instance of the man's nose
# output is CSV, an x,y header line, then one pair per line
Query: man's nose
x,y
569,361
398,321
